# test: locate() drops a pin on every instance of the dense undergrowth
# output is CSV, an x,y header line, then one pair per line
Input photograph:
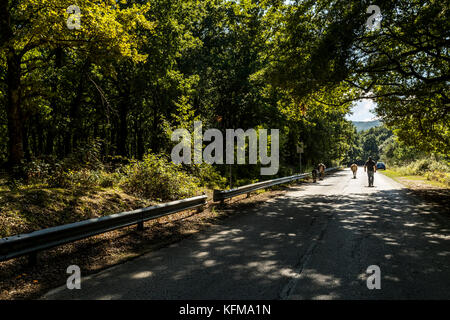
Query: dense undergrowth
x,y
50,193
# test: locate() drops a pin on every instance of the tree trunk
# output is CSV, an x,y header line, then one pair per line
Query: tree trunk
x,y
51,126
155,143
123,124
73,137
140,140
14,110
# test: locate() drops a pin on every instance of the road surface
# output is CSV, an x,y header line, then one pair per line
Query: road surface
x,y
314,242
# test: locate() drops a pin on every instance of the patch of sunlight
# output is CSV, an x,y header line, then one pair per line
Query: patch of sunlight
x,y
110,297
391,278
142,275
323,279
201,254
210,263
267,254
411,224
224,248
289,273
264,268
329,296
437,236
444,254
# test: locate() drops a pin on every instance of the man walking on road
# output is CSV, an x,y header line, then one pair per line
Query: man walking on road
x,y
370,167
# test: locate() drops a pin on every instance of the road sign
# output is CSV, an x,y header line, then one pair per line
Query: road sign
x,y
300,147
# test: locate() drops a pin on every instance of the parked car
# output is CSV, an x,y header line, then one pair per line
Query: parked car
x,y
381,165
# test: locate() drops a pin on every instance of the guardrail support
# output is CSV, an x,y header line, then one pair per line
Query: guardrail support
x,y
32,259
140,226
221,195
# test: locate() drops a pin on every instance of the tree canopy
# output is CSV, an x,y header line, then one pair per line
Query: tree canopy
x,y
136,70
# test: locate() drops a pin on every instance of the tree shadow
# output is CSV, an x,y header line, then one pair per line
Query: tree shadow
x,y
309,247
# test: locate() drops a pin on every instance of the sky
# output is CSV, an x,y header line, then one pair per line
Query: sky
x,y
362,111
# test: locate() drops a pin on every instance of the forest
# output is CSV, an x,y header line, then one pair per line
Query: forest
x,y
91,97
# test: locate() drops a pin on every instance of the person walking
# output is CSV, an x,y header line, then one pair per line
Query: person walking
x,y
370,167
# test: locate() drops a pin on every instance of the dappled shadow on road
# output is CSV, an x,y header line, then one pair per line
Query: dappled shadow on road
x,y
105,250
440,197
305,247
388,229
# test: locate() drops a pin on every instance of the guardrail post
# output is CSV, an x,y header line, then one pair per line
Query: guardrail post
x,y
248,195
202,207
140,226
32,259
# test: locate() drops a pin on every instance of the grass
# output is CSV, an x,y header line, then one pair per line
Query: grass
x,y
401,178
391,173
34,207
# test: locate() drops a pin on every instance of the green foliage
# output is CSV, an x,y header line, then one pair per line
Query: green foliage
x,y
208,176
429,167
326,56
157,178
81,170
72,179
398,153
36,170
114,90
442,177
424,166
86,156
370,143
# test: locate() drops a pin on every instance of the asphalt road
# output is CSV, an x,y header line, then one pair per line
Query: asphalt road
x,y
314,242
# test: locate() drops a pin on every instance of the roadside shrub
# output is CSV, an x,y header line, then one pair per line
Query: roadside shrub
x,y
285,171
108,180
83,178
441,177
208,176
36,171
423,166
115,163
70,178
87,155
157,178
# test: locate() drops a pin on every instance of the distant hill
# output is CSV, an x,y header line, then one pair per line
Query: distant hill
x,y
366,125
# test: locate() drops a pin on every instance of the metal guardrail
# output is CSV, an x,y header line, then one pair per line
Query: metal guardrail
x,y
221,195
31,243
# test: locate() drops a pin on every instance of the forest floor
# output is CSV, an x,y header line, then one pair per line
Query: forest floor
x,y
432,191
32,208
